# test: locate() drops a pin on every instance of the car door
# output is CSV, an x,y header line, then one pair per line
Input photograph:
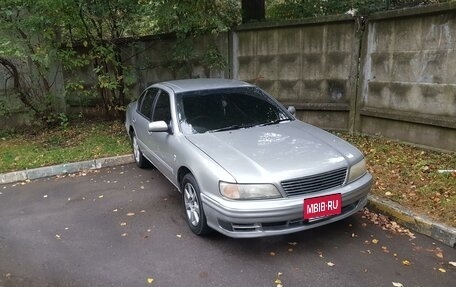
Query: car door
x,y
143,118
161,143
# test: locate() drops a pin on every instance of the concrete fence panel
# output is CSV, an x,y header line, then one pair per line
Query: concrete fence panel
x,y
408,76
310,64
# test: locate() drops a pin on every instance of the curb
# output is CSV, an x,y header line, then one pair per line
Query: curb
x,y
73,167
416,222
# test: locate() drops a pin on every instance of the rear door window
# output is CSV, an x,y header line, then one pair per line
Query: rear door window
x,y
145,108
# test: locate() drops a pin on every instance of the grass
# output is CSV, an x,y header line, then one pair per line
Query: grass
x,y
410,176
402,173
82,141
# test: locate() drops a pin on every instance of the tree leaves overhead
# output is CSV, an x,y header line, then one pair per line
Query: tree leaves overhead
x,y
194,17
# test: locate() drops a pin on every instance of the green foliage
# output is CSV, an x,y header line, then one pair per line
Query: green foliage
x,y
38,36
195,17
189,20
298,9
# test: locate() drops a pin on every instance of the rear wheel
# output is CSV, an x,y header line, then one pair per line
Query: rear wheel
x,y
140,160
194,212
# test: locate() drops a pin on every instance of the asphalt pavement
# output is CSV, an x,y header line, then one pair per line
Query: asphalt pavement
x,y
122,226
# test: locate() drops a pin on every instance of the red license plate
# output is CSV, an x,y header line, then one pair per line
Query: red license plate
x,y
322,206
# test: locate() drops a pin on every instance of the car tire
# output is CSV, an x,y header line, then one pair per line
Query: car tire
x,y
140,160
194,212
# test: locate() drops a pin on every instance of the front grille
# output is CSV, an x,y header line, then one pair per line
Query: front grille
x,y
314,183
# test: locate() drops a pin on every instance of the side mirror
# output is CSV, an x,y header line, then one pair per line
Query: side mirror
x,y
292,110
158,126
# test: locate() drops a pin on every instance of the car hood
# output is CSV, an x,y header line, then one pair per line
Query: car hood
x,y
276,152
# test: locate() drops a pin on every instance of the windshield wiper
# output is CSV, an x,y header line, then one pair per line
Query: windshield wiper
x,y
274,122
232,127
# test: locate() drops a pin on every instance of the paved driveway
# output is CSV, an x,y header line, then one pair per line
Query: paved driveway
x,y
122,226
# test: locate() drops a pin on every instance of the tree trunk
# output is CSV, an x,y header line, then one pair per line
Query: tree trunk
x,y
252,10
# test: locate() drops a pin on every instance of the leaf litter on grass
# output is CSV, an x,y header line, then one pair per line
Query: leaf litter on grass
x,y
421,180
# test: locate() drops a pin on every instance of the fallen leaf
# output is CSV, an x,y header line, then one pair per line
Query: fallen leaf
x,y
439,254
452,263
178,235
442,270
278,281
57,236
142,187
279,274
397,284
388,193
45,196
142,211
114,210
375,241
406,262
130,214
123,223
124,234
101,196
330,264
150,280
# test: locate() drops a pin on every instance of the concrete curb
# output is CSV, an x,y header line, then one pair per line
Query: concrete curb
x,y
416,222
53,170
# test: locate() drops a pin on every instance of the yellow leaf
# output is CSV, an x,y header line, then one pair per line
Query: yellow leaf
x,y
452,263
406,262
150,280
442,270
375,241
439,254
278,281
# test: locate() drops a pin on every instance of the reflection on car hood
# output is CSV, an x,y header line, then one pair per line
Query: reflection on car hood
x,y
275,152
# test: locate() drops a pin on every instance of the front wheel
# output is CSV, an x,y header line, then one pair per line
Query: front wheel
x,y
140,160
194,212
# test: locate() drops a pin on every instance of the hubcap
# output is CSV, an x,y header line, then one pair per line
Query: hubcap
x,y
135,149
192,205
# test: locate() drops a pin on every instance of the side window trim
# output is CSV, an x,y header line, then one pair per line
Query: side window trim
x,y
140,100
155,95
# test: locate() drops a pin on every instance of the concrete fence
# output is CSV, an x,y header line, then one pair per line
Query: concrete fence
x,y
392,74
405,60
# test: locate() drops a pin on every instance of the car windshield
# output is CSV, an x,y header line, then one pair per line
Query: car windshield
x,y
227,109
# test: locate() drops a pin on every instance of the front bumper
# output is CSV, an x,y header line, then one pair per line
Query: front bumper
x,y
258,218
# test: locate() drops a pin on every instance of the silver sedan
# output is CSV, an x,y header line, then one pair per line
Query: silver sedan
x,y
245,166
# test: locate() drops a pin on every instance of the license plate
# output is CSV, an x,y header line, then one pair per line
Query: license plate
x,y
318,207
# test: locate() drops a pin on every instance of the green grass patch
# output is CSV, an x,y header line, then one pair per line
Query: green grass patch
x,y
76,142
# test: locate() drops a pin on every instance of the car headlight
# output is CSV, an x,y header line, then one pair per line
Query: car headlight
x,y
248,191
357,170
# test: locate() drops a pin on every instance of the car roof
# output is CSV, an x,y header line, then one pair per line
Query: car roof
x,y
179,86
